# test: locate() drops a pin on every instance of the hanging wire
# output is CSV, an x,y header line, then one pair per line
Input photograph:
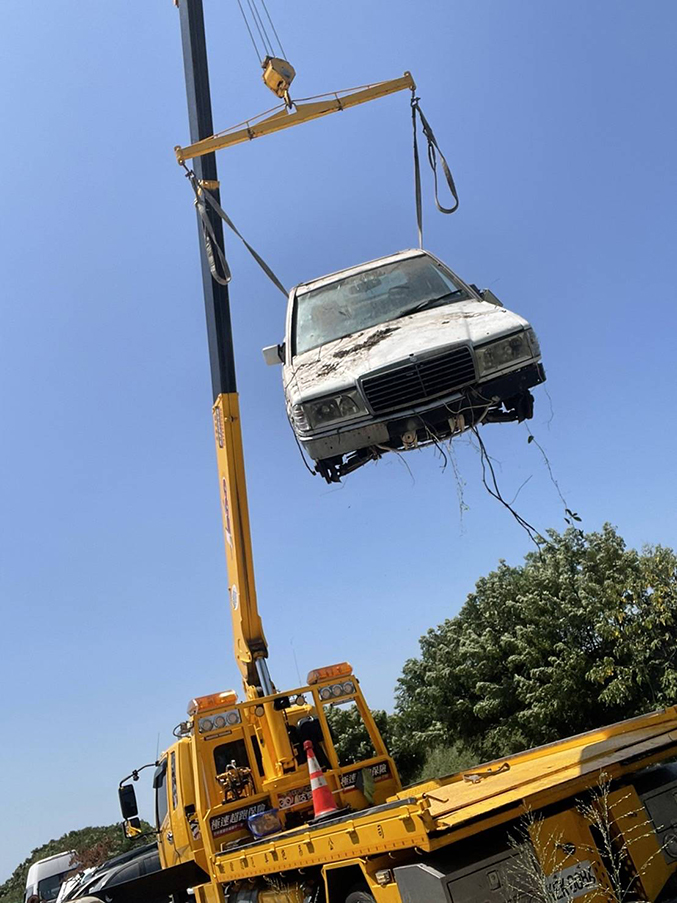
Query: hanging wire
x,y
272,25
494,491
256,49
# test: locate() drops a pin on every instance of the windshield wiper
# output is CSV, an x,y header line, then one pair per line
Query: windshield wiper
x,y
427,303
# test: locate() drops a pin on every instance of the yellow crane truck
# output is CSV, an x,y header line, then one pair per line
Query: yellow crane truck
x,y
591,816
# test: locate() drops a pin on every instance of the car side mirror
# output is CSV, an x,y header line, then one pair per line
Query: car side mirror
x,y
488,295
274,354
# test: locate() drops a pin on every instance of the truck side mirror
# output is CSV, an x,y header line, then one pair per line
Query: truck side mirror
x,y
274,354
132,827
130,810
488,295
128,804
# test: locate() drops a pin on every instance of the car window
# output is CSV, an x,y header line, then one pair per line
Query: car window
x,y
368,298
128,872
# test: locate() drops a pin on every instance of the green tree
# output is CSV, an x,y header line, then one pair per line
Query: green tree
x,y
352,742
92,846
444,760
582,634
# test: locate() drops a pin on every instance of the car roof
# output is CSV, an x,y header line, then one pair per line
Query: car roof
x,y
110,865
130,854
105,873
362,267
123,871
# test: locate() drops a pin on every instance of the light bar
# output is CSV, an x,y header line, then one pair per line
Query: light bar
x,y
319,674
335,691
214,700
219,721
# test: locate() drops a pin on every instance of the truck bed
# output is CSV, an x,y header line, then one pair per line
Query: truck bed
x,y
431,815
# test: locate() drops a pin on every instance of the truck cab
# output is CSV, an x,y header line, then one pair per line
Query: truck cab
x,y
238,771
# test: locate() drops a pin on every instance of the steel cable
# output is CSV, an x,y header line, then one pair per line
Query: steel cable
x,y
263,3
256,49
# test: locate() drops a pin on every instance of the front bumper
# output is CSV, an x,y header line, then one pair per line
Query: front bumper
x,y
511,384
472,401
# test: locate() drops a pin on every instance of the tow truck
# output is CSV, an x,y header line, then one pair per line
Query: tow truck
x,y
234,810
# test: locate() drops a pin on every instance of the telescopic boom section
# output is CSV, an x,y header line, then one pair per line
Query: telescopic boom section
x,y
251,650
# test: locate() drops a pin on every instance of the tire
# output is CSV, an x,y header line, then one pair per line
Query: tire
x,y
358,895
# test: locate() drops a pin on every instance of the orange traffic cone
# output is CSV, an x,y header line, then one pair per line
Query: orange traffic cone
x,y
323,798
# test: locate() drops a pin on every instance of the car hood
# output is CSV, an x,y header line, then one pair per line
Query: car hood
x,y
339,364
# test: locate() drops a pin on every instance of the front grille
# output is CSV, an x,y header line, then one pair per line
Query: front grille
x,y
416,382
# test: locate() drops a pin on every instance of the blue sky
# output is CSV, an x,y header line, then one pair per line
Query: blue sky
x,y
558,121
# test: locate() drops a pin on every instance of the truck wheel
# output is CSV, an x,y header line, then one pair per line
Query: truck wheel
x,y
357,895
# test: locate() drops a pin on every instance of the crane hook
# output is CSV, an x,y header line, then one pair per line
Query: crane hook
x,y
278,75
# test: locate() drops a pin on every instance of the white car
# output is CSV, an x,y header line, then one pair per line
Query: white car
x,y
396,353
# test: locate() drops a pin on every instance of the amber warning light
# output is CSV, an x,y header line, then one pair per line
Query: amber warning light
x,y
329,672
202,703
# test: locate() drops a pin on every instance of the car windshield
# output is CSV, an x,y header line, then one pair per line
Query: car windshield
x,y
370,297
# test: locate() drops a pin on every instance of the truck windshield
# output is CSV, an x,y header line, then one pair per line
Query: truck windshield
x,y
369,298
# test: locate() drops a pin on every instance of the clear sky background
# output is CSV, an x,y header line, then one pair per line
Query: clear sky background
x,y
559,122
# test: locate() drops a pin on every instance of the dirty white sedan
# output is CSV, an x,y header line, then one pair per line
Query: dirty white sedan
x,y
396,353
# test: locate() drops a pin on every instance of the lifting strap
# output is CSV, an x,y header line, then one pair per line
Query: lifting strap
x,y
216,257
433,150
218,264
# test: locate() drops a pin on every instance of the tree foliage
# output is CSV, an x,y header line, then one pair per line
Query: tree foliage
x,y
582,634
352,743
92,846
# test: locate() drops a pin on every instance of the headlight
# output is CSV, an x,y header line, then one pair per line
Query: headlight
x,y
314,414
533,341
501,354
